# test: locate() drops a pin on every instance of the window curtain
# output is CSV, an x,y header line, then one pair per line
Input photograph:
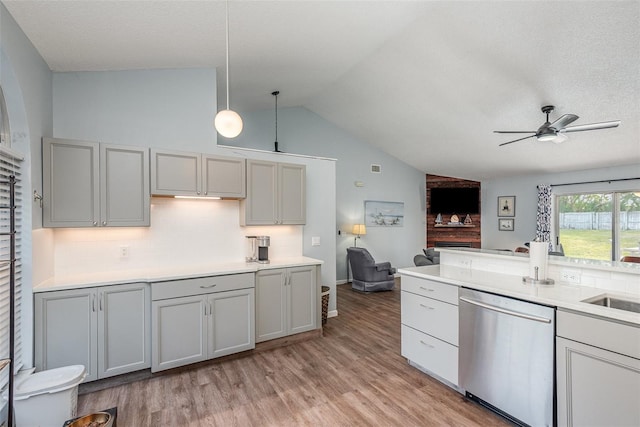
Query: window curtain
x,y
543,217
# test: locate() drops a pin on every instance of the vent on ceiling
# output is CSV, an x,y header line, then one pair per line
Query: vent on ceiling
x,y
376,169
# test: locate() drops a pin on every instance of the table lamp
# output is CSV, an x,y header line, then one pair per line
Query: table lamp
x,y
358,230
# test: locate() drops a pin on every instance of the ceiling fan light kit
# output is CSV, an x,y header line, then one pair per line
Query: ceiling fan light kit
x,y
228,123
554,132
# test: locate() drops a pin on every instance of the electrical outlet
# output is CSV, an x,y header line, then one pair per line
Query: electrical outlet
x,y
124,251
570,276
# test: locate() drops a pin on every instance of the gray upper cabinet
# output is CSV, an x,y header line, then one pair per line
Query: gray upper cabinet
x,y
88,184
276,194
176,173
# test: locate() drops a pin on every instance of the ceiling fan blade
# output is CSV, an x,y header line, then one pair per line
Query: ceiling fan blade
x,y
516,140
591,126
563,121
514,131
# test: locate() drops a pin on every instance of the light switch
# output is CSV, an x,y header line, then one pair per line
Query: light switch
x,y
315,241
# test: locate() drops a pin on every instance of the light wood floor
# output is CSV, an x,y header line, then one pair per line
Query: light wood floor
x,y
352,376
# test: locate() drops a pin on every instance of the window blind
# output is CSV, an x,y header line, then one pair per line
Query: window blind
x,y
10,165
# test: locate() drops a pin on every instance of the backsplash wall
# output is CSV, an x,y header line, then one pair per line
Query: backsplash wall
x,y
183,232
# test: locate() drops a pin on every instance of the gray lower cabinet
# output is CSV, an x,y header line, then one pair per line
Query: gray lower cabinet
x,y
178,173
106,329
276,194
89,184
598,371
286,300
200,319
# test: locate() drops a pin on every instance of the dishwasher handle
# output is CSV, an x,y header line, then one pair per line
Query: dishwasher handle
x,y
505,311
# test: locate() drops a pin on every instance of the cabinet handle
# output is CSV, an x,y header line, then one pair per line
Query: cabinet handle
x,y
424,343
427,307
205,310
208,286
427,289
95,223
104,222
206,192
100,301
198,193
210,309
93,303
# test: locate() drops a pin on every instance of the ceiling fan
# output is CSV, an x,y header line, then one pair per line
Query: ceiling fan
x,y
555,132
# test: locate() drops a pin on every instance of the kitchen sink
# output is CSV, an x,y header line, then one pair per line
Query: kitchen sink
x,y
615,302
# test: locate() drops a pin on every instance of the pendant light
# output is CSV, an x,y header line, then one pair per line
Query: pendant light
x,y
275,94
228,123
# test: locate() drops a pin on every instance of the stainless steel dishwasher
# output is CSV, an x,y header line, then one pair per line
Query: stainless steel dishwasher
x,y
506,356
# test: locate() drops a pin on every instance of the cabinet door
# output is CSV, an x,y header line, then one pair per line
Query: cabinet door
x,y
175,173
224,176
260,206
70,175
124,329
65,330
301,302
270,305
231,322
178,332
124,186
596,387
292,194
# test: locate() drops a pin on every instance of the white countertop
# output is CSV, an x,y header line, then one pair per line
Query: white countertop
x,y
557,295
164,273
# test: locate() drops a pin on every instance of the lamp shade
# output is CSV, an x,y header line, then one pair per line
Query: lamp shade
x,y
228,123
359,230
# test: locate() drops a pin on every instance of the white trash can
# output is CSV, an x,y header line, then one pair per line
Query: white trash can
x,y
47,398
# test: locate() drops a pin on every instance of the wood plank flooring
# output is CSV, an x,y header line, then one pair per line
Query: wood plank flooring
x,y
352,376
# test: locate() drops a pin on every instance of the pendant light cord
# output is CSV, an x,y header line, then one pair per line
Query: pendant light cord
x,y
276,93
227,43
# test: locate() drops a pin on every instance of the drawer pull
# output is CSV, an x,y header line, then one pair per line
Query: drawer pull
x,y
427,307
424,343
427,289
208,286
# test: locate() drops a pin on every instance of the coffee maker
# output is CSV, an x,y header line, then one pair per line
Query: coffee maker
x,y
258,249
263,249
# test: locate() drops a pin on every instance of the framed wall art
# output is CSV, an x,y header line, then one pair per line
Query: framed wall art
x,y
505,224
506,205
383,214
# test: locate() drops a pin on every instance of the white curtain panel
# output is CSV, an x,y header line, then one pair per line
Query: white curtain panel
x,y
543,217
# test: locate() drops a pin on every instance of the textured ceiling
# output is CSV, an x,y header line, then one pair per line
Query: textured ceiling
x,y
426,81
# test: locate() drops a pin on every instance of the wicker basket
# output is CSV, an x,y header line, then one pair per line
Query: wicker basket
x,y
325,303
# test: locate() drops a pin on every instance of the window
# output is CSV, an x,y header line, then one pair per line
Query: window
x,y
10,164
603,225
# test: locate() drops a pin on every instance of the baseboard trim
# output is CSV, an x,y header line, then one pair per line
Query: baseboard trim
x,y
332,313
341,282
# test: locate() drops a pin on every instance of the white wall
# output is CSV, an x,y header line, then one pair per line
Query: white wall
x,y
304,132
525,190
26,82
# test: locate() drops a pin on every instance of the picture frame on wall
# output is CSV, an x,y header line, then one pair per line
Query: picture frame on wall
x,y
506,224
506,205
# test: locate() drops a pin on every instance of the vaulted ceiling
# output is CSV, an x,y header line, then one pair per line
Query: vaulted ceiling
x,y
425,81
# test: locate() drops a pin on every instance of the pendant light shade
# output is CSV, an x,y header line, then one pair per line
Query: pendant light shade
x,y
228,123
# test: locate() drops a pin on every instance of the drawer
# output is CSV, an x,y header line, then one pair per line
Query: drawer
x,y
608,334
201,285
430,316
430,353
429,288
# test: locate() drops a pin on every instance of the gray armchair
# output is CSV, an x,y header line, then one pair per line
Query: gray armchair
x,y
369,276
